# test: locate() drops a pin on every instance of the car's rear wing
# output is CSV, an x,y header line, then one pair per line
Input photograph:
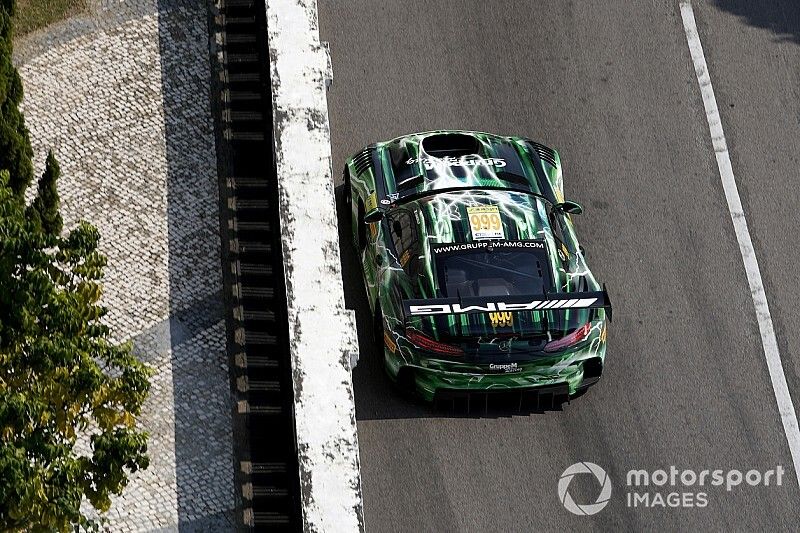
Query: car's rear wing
x,y
552,301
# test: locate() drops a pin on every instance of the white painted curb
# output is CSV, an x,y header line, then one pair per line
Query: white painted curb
x,y
322,333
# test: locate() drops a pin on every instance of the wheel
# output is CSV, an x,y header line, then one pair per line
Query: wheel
x,y
377,330
347,196
403,383
361,234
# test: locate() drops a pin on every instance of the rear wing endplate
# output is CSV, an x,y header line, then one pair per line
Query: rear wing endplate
x,y
552,301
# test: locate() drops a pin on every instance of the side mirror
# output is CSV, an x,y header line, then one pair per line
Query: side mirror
x,y
376,215
571,208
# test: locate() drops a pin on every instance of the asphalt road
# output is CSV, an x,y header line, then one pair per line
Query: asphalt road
x,y
611,86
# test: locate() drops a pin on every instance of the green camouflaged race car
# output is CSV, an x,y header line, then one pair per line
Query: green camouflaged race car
x,y
474,275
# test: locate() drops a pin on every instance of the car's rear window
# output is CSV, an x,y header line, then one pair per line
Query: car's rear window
x,y
497,269
492,269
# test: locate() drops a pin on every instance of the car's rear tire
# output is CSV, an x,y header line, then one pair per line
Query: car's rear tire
x,y
404,382
377,331
347,193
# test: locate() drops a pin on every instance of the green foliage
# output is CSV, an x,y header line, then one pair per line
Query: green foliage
x,y
31,15
60,377
15,146
44,209
69,396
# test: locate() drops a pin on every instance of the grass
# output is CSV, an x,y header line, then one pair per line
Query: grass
x,y
35,14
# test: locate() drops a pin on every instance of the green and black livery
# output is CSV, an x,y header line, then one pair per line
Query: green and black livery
x,y
474,274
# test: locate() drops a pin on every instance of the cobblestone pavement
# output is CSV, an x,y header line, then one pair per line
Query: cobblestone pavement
x,y
121,96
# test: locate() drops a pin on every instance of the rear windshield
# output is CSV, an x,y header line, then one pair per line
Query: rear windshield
x,y
504,268
501,268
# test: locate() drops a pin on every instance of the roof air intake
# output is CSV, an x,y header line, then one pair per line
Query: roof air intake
x,y
450,145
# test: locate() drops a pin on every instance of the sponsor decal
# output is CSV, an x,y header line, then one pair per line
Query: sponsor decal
x,y
488,306
431,162
480,245
371,203
485,223
506,368
389,342
405,257
564,252
390,198
502,320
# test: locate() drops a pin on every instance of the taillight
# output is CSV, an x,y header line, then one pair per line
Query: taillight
x,y
573,338
426,343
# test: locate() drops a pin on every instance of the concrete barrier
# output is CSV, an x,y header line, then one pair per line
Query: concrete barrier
x,y
322,332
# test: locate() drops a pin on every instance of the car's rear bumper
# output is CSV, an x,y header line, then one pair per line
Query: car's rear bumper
x,y
435,384
530,399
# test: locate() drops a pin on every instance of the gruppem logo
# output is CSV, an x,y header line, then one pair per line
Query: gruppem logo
x,y
590,508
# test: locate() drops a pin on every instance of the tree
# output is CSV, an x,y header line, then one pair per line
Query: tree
x,y
44,211
15,146
69,396
60,376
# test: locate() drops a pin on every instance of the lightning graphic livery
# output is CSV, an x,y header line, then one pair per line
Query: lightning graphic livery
x,y
419,199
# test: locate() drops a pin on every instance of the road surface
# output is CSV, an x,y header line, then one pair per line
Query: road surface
x,y
611,86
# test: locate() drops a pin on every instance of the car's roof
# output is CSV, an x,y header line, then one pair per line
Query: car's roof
x,y
444,218
415,164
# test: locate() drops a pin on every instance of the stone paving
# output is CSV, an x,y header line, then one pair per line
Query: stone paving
x,y
121,95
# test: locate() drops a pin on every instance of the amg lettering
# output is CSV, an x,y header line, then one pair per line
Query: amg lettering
x,y
430,309
534,305
502,306
473,308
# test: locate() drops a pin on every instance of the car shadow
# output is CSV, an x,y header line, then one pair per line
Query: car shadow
x,y
376,396
781,17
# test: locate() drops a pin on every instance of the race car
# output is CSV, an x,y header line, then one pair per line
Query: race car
x,y
475,278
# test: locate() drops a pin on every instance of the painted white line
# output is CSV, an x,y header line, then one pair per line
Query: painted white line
x,y
765,327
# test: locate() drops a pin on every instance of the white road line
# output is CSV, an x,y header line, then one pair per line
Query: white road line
x,y
768,340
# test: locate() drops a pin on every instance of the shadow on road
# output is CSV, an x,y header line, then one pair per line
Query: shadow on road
x,y
781,17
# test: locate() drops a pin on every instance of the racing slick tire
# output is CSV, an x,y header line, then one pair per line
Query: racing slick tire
x,y
377,331
404,381
347,192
